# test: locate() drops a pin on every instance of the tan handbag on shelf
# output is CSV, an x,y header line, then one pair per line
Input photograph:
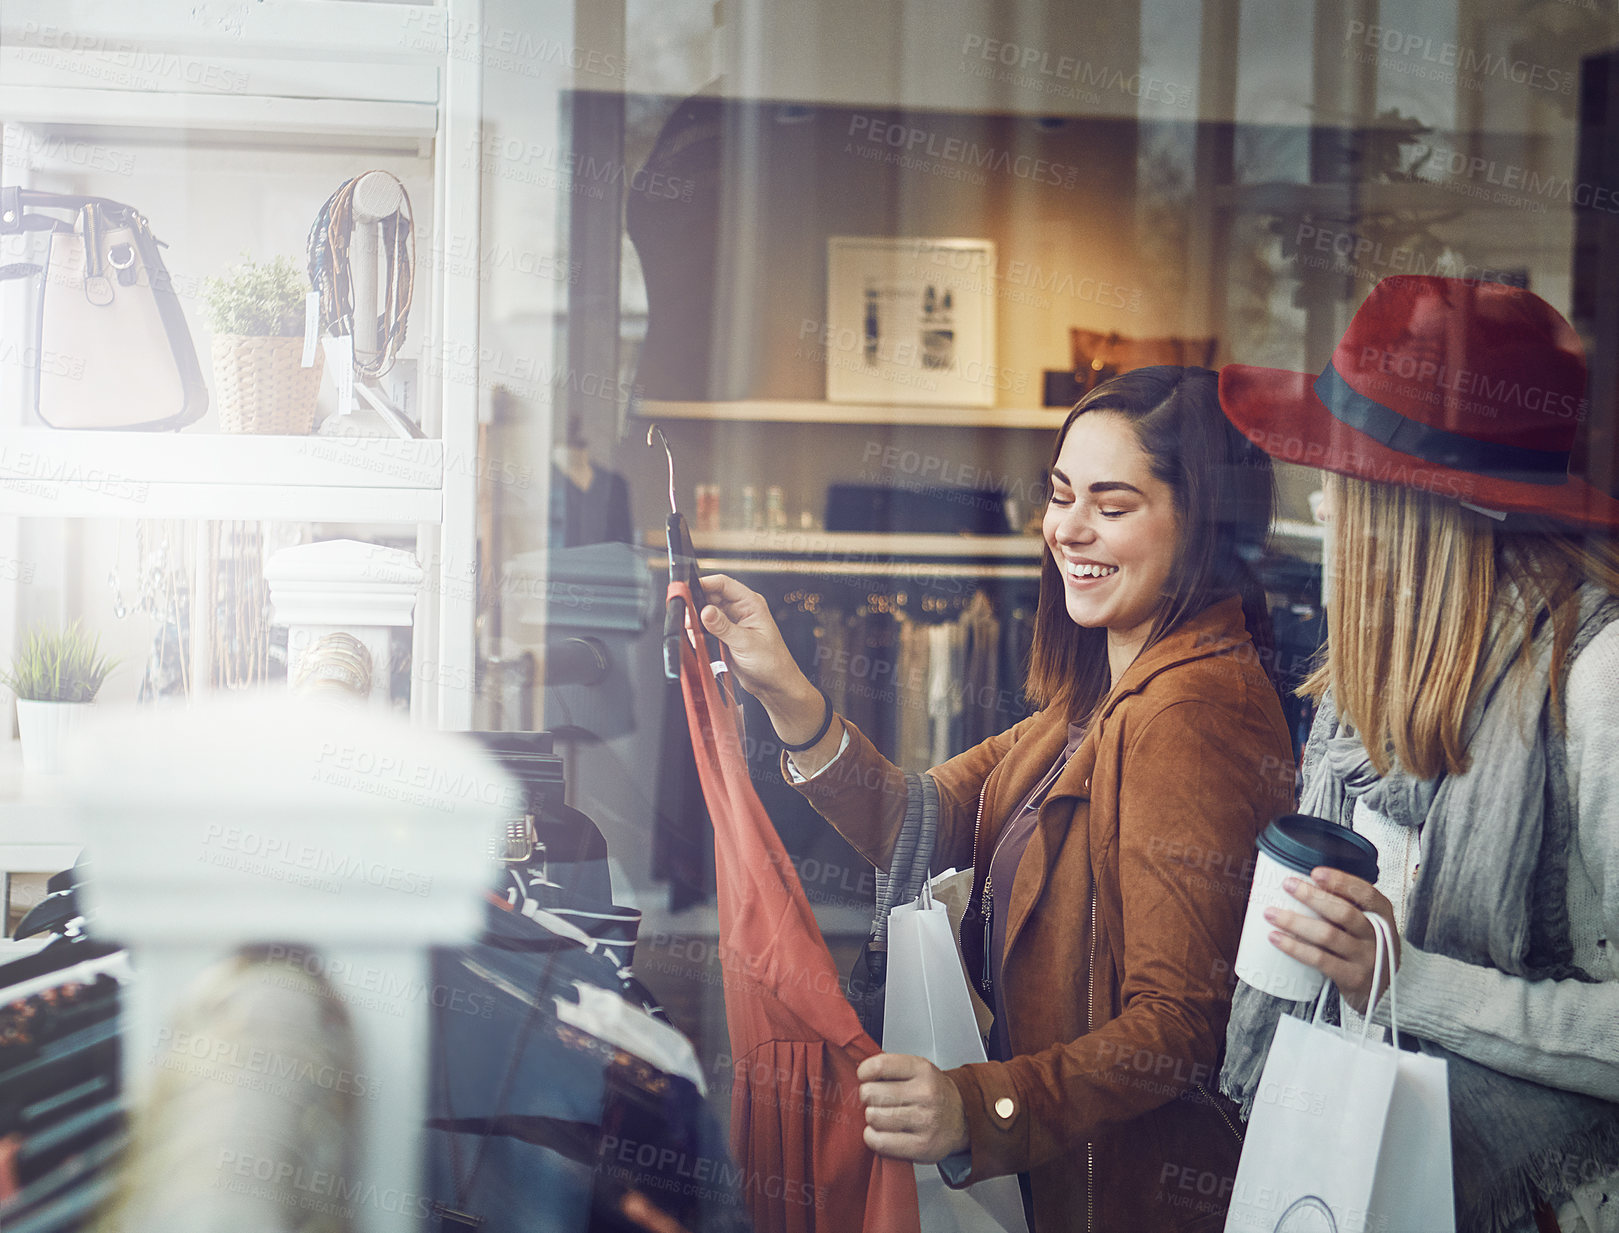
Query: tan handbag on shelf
x,y
111,348
1099,356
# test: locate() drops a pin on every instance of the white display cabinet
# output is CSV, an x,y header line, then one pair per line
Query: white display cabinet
x,y
281,81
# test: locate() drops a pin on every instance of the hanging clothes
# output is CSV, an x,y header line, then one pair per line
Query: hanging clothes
x,y
557,1090
61,1104
980,677
912,696
946,662
873,665
796,1117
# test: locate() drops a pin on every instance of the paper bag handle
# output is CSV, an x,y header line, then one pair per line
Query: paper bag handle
x,y
1385,942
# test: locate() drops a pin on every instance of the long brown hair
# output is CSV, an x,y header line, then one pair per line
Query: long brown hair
x,y
1224,494
1416,581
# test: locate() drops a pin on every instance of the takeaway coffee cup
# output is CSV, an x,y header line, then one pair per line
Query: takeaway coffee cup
x,y
1291,846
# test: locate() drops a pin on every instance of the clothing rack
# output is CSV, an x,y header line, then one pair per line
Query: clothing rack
x,y
116,965
62,1111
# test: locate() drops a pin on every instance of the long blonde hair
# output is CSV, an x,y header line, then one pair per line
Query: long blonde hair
x,y
1417,580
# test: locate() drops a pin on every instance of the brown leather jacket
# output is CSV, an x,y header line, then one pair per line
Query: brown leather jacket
x,y
1124,923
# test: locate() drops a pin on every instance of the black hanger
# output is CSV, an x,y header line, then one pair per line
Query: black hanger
x,y
683,568
50,915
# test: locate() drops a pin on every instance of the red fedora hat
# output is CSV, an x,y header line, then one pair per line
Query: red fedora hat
x,y
1468,389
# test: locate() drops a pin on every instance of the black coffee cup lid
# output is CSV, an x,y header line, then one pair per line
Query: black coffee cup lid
x,y
1302,841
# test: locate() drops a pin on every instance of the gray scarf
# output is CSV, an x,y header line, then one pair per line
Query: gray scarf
x,y
1491,890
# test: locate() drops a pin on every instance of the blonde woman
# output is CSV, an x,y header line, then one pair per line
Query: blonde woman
x,y
1468,727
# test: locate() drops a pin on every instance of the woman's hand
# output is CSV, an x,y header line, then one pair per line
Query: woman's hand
x,y
912,1111
764,666
1342,944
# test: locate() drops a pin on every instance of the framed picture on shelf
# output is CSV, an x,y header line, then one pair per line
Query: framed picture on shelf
x,y
910,321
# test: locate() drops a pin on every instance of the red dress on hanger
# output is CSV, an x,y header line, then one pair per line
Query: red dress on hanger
x,y
796,1117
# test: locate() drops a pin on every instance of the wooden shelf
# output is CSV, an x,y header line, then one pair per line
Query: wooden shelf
x,y
1340,200
785,411
880,554
868,544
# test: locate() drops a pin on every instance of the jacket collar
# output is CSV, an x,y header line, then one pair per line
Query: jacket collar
x,y
1219,629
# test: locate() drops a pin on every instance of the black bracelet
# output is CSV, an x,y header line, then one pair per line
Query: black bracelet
x,y
826,726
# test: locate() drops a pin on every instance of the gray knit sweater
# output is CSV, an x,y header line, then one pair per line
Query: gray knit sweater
x,y
1561,1033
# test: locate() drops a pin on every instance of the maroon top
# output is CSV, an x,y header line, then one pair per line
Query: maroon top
x,y
1003,867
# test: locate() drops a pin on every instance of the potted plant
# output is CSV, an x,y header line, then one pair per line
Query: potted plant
x,y
55,675
256,312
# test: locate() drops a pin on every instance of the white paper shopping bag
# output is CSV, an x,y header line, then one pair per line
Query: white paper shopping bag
x,y
1415,1188
1315,1134
927,1013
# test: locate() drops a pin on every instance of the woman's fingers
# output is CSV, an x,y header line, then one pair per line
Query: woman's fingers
x,y
1357,891
886,1079
722,587
1341,972
1330,906
1324,935
1338,941
887,1095
730,596
896,1145
715,621
1350,898
900,1119
912,1109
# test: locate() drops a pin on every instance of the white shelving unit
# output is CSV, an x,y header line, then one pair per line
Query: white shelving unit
x,y
334,74
36,830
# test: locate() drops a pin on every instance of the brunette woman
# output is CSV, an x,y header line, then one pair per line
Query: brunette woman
x,y
1468,728
1110,831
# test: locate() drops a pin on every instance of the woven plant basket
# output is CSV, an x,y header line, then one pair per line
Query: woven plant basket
x,y
261,386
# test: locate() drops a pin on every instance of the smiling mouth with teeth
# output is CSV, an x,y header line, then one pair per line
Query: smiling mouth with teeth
x,y
1092,571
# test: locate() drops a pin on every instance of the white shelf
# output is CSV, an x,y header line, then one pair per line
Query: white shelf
x,y
48,473
36,833
379,121
268,502
785,411
292,29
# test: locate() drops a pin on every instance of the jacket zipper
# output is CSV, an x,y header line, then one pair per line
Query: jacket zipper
x,y
1208,1097
1090,1025
984,899
987,901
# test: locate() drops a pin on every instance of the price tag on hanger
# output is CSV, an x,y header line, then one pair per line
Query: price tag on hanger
x,y
340,359
311,327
